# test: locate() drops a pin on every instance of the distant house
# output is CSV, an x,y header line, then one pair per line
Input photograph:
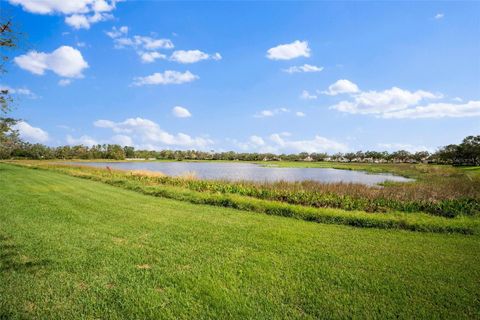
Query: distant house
x,y
308,159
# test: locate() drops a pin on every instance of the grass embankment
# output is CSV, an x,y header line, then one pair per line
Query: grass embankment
x,y
232,196
438,190
73,248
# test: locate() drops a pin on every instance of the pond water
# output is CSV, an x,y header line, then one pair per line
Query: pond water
x,y
252,172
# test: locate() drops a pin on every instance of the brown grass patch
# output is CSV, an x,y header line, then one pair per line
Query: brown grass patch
x,y
83,286
119,240
146,173
188,175
30,307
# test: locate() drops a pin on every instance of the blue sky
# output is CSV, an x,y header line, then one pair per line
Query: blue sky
x,y
252,76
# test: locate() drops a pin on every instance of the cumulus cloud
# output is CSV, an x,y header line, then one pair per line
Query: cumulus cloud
x,y
80,13
305,95
304,68
289,51
439,16
396,103
341,86
270,113
80,21
380,102
82,140
65,61
151,56
437,110
145,46
30,133
148,134
282,143
166,77
300,114
192,56
181,112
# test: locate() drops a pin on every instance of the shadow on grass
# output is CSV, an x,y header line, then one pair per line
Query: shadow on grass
x,y
12,260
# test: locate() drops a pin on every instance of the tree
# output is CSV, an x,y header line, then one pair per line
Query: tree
x,y
129,152
421,156
8,137
469,151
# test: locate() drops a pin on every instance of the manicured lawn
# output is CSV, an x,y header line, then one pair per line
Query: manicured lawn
x,y
75,248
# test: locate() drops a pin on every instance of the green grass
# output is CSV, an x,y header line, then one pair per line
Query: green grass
x,y
73,248
156,186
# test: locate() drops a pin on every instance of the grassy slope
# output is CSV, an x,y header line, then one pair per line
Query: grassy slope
x,y
71,247
415,221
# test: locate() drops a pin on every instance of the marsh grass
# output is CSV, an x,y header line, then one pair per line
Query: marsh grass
x,y
146,173
438,190
270,199
188,176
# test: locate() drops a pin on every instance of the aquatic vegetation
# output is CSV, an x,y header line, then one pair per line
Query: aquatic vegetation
x,y
297,200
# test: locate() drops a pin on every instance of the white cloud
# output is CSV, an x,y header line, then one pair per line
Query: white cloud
x,y
289,51
439,16
83,140
403,146
54,6
270,113
19,91
142,43
317,144
148,134
80,13
146,47
256,140
304,68
341,86
305,95
122,140
151,56
280,143
437,110
181,112
31,134
300,114
192,56
78,21
396,103
167,77
117,32
379,102
65,61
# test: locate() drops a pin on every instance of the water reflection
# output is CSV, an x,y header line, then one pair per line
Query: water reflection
x,y
253,172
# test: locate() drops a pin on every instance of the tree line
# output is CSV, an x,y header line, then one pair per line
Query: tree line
x,y
465,153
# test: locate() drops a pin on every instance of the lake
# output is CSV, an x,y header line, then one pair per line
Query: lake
x,y
253,172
